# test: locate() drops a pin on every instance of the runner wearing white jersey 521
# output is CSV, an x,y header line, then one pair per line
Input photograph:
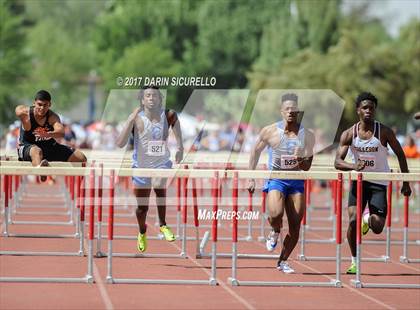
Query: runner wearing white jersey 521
x,y
368,142
150,124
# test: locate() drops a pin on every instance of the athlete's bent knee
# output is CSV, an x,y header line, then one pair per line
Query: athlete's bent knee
x,y
376,224
36,151
274,214
78,156
82,157
377,229
352,222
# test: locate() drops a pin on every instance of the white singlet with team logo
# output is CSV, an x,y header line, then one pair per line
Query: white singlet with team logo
x,y
281,157
371,152
150,147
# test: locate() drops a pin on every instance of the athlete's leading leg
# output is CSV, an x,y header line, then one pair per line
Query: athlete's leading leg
x,y
36,155
77,156
37,159
275,206
376,223
378,208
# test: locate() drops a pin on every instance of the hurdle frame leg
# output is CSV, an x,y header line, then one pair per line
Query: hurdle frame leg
x,y
82,238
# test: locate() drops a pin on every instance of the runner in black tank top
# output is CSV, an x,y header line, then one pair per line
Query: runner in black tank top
x,y
32,136
40,127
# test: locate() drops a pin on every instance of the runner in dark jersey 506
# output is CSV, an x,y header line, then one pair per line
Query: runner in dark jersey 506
x,y
40,127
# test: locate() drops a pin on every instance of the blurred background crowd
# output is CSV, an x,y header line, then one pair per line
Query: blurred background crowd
x,y
231,137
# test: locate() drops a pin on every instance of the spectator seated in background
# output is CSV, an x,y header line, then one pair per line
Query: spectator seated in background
x,y
410,148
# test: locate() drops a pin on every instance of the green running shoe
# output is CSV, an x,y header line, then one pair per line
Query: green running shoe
x,y
141,242
352,269
167,232
365,227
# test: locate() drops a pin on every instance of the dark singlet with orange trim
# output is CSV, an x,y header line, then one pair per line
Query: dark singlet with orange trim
x,y
31,136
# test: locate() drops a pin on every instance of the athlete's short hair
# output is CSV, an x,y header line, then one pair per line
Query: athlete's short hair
x,y
366,96
289,97
143,89
42,95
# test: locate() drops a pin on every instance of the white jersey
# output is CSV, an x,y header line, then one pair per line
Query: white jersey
x,y
150,146
371,152
281,156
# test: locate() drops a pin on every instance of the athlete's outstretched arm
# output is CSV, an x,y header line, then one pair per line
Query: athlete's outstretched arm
x,y
340,163
176,127
58,131
128,128
305,162
22,112
256,153
396,147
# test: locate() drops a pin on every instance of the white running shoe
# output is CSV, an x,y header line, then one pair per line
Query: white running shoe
x,y
284,266
271,241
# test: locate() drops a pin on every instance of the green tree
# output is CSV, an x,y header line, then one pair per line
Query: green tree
x,y
365,58
317,23
126,28
145,59
13,61
279,40
229,35
60,47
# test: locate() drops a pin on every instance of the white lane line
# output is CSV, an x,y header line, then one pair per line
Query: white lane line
x,y
375,255
357,291
106,299
102,289
221,283
344,285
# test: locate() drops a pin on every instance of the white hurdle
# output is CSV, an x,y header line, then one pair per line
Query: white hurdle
x,y
234,281
357,282
211,281
88,278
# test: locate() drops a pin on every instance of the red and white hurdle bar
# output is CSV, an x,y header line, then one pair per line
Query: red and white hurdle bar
x,y
6,233
357,282
88,278
333,283
211,281
192,173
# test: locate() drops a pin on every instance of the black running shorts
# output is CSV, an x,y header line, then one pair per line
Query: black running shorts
x,y
373,194
53,152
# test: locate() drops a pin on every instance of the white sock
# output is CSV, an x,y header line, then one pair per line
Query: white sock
x,y
353,259
366,218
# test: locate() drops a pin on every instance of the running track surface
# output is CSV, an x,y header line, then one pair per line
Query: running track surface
x,y
101,295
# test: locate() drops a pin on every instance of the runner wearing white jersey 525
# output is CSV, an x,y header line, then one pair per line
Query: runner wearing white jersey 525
x,y
368,142
290,148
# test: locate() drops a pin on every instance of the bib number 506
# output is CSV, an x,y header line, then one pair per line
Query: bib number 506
x,y
369,163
